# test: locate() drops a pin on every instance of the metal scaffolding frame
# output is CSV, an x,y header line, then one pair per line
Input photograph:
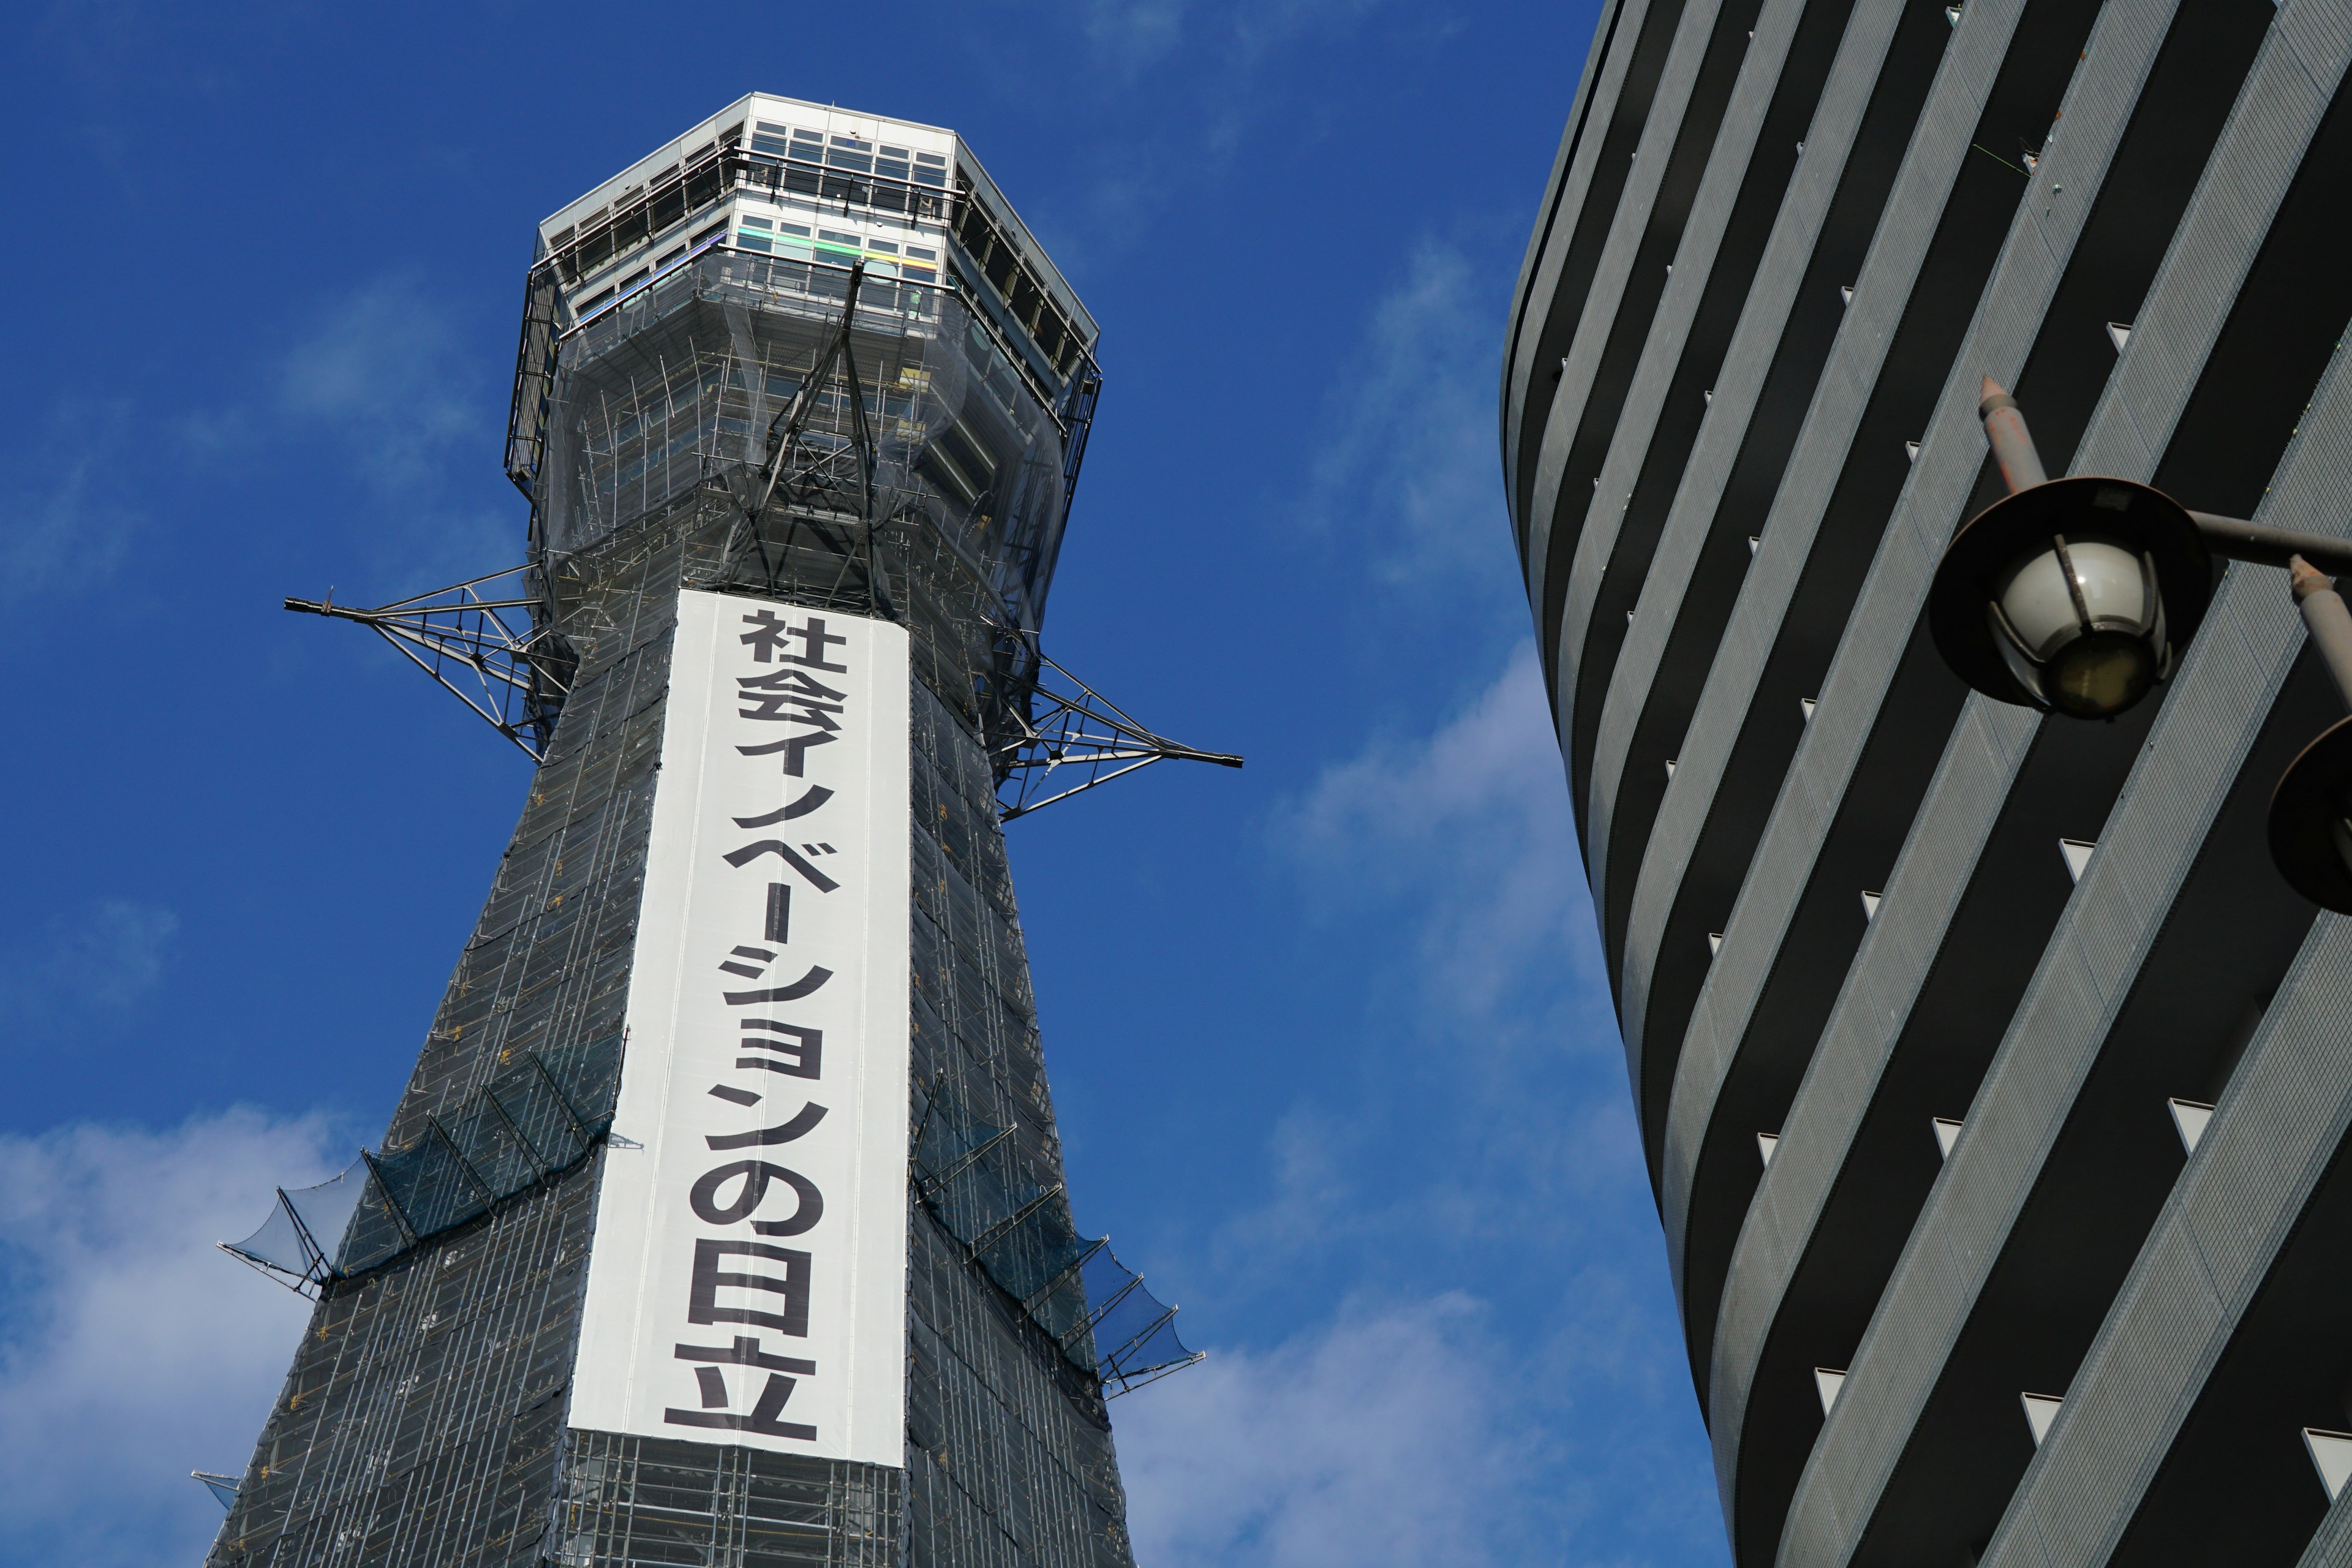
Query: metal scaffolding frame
x,y
740,424
514,680
819,492
1069,738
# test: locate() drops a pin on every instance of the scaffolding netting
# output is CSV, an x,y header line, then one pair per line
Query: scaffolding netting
x,y
1095,1309
694,438
681,393
538,1118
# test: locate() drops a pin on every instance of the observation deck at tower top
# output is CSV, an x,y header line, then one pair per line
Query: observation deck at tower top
x,y
809,182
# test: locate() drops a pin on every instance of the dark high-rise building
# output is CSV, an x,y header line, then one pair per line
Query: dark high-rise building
x,y
722,1221
1994,1081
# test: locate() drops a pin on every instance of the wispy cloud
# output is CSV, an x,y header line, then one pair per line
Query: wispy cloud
x,y
70,522
1234,41
1469,825
384,372
1389,1436
1262,30
1405,466
132,1351
385,366
386,375
1126,36
98,964
394,409
1504,1159
1454,850
1177,93
1483,1152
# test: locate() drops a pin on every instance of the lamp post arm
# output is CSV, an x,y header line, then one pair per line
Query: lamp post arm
x,y
2012,444
2329,622
2239,540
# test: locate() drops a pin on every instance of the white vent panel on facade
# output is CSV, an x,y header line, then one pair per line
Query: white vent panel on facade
x,y
1765,1144
1826,1382
1948,1133
2189,1120
2331,1456
2041,1410
2077,854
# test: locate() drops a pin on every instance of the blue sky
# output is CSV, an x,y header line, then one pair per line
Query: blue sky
x,y
1329,1040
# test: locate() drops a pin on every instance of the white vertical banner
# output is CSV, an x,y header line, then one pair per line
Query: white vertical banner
x,y
747,1281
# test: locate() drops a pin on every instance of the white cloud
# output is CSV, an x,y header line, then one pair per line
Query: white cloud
x,y
72,526
1406,465
1489,1048
1263,28
386,364
131,1350
387,374
1469,824
1498,1153
1486,1143
1388,1438
1129,35
98,963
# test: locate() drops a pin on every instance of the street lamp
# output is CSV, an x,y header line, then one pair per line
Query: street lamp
x,y
2077,595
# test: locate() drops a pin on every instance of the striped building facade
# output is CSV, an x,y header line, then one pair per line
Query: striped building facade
x,y
1994,1087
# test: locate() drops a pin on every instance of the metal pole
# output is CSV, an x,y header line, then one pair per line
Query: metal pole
x,y
2237,540
2012,444
2330,623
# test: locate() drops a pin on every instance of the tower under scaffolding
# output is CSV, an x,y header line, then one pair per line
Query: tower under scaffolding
x,y
807,359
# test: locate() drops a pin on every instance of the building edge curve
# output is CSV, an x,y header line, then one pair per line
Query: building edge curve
x,y
2145,131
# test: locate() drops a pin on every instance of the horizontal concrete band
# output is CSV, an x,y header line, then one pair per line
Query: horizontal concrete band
x,y
1526,311
1907,938
1872,1006
1882,293
1760,342
2260,1158
1935,499
1730,165
1620,24
2086,972
2208,722
2080,1491
1738,386
2331,1544
1602,300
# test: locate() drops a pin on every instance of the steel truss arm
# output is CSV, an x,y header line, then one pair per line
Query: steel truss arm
x,y
467,640
1074,738
1129,1385
807,470
1053,736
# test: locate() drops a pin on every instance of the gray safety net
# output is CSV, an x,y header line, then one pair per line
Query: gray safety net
x,y
297,1243
538,1118
677,388
969,1176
